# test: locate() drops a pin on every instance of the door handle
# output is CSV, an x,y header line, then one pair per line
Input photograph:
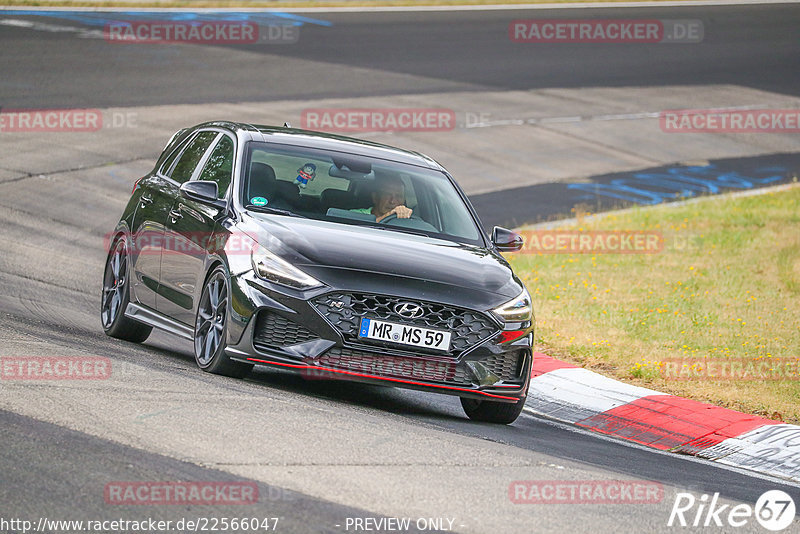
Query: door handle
x,y
145,200
175,215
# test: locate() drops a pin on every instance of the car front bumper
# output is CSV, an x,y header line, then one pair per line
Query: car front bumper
x,y
294,330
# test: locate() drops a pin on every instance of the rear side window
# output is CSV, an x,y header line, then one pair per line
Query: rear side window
x,y
188,161
219,166
167,165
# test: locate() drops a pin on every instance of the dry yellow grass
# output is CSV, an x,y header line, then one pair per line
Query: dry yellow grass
x,y
725,287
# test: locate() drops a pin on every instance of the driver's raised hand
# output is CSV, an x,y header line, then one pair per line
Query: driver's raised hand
x,y
402,212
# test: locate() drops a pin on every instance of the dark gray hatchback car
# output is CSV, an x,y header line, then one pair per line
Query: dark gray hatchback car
x,y
328,256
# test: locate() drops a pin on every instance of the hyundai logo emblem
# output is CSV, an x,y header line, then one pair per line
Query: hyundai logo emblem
x,y
408,310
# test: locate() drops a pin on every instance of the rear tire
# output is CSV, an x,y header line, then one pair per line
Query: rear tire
x,y
502,413
211,329
116,296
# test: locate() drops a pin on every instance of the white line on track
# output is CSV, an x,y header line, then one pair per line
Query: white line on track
x,y
611,117
83,32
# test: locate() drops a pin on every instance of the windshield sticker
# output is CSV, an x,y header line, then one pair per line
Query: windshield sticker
x,y
258,201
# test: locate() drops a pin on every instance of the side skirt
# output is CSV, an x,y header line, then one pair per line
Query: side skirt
x,y
158,320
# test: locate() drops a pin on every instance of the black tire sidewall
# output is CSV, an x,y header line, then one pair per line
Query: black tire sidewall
x,y
115,327
215,360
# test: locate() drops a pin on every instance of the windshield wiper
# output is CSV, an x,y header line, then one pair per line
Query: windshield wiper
x,y
276,211
399,229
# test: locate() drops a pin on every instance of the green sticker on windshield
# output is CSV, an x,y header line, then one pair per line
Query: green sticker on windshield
x,y
258,201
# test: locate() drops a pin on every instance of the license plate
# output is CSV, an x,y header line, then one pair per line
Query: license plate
x,y
404,334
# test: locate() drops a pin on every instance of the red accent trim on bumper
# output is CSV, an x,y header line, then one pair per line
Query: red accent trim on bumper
x,y
510,335
297,366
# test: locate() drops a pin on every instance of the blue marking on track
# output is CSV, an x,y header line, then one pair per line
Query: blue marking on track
x,y
101,18
649,188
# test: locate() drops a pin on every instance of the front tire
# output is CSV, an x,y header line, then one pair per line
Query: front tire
x,y
115,297
210,329
502,413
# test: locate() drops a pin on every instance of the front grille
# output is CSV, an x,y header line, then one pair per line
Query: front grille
x,y
273,330
345,310
506,366
384,365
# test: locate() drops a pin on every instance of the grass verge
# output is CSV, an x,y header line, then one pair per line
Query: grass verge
x,y
721,296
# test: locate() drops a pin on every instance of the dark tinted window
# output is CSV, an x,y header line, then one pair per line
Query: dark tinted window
x,y
188,161
167,165
219,166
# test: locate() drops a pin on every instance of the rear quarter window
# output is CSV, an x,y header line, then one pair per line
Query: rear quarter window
x,y
191,156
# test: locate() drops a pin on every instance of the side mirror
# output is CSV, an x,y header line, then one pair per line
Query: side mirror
x,y
205,192
505,240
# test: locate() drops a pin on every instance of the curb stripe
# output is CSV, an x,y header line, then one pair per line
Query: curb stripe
x,y
772,449
574,394
542,363
666,422
577,396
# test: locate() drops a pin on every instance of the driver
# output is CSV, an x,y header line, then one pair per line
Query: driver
x,y
388,197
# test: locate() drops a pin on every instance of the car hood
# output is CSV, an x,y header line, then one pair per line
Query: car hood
x,y
350,256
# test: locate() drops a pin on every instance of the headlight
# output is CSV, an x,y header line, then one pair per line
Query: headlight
x,y
270,267
518,310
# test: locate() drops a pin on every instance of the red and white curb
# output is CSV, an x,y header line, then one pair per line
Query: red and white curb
x,y
571,394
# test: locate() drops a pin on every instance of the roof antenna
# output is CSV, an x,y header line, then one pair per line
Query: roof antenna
x,y
287,125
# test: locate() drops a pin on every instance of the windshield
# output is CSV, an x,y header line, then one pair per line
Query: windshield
x,y
356,190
